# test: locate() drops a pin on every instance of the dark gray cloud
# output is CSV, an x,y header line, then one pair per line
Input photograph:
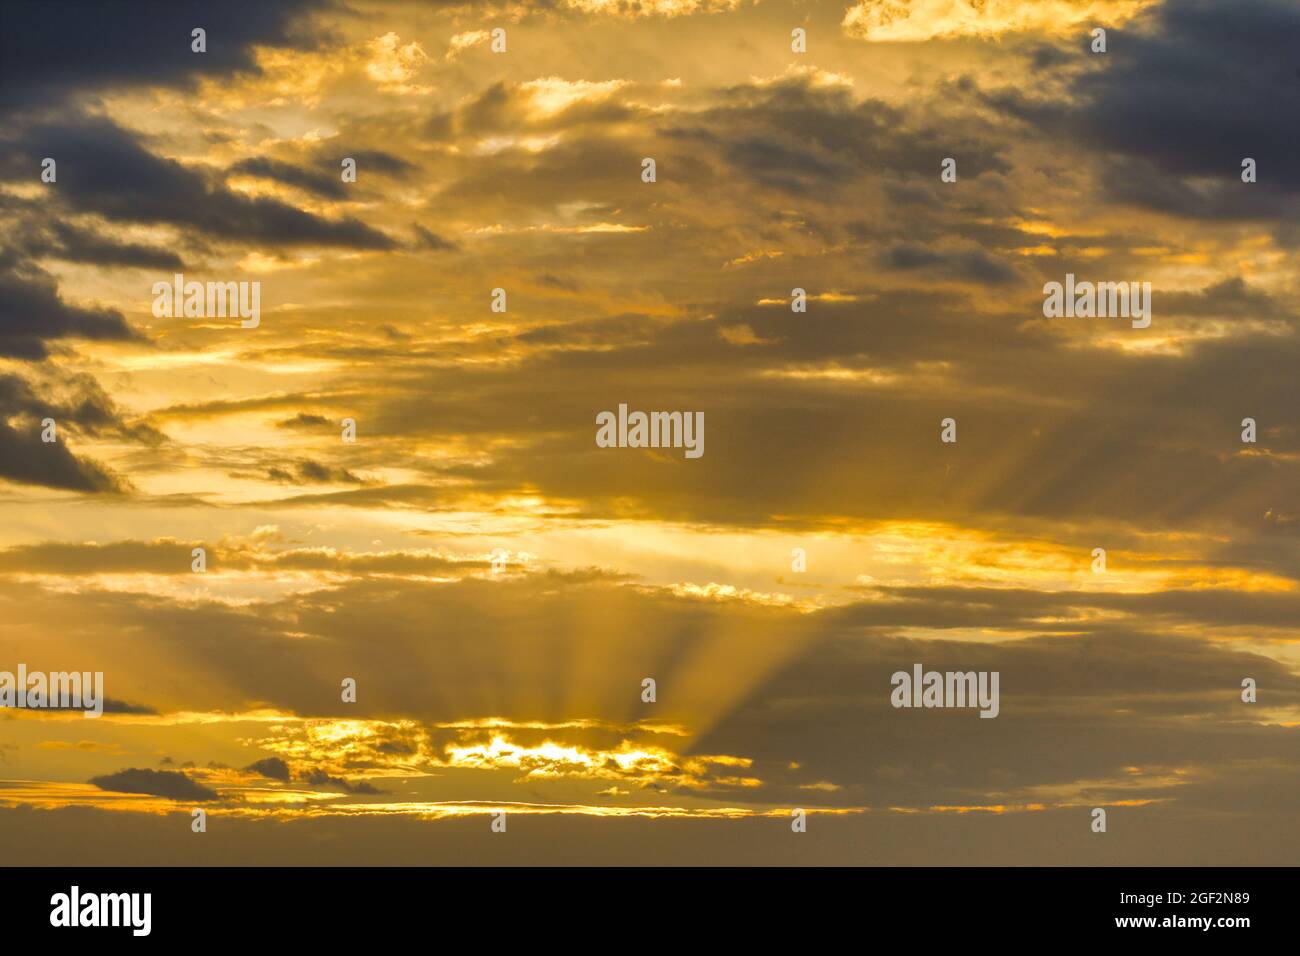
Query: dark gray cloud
x,y
273,768
61,240
110,706
312,472
319,778
369,159
51,50
427,239
1197,86
323,182
1183,94
973,265
32,313
79,407
104,169
305,420
24,458
799,138
1142,182
158,783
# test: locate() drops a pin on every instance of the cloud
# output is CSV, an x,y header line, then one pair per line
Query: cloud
x,y
110,706
159,783
1171,132
476,429
971,264
319,778
273,768
45,60
32,313
305,420
61,240
323,182
1163,95
169,556
393,65
461,42
81,409
1119,688
829,137
431,240
24,458
128,183
922,20
312,472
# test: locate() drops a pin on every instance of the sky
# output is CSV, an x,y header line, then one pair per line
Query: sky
x,y
398,485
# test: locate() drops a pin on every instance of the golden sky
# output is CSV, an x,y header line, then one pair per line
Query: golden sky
x,y
497,584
